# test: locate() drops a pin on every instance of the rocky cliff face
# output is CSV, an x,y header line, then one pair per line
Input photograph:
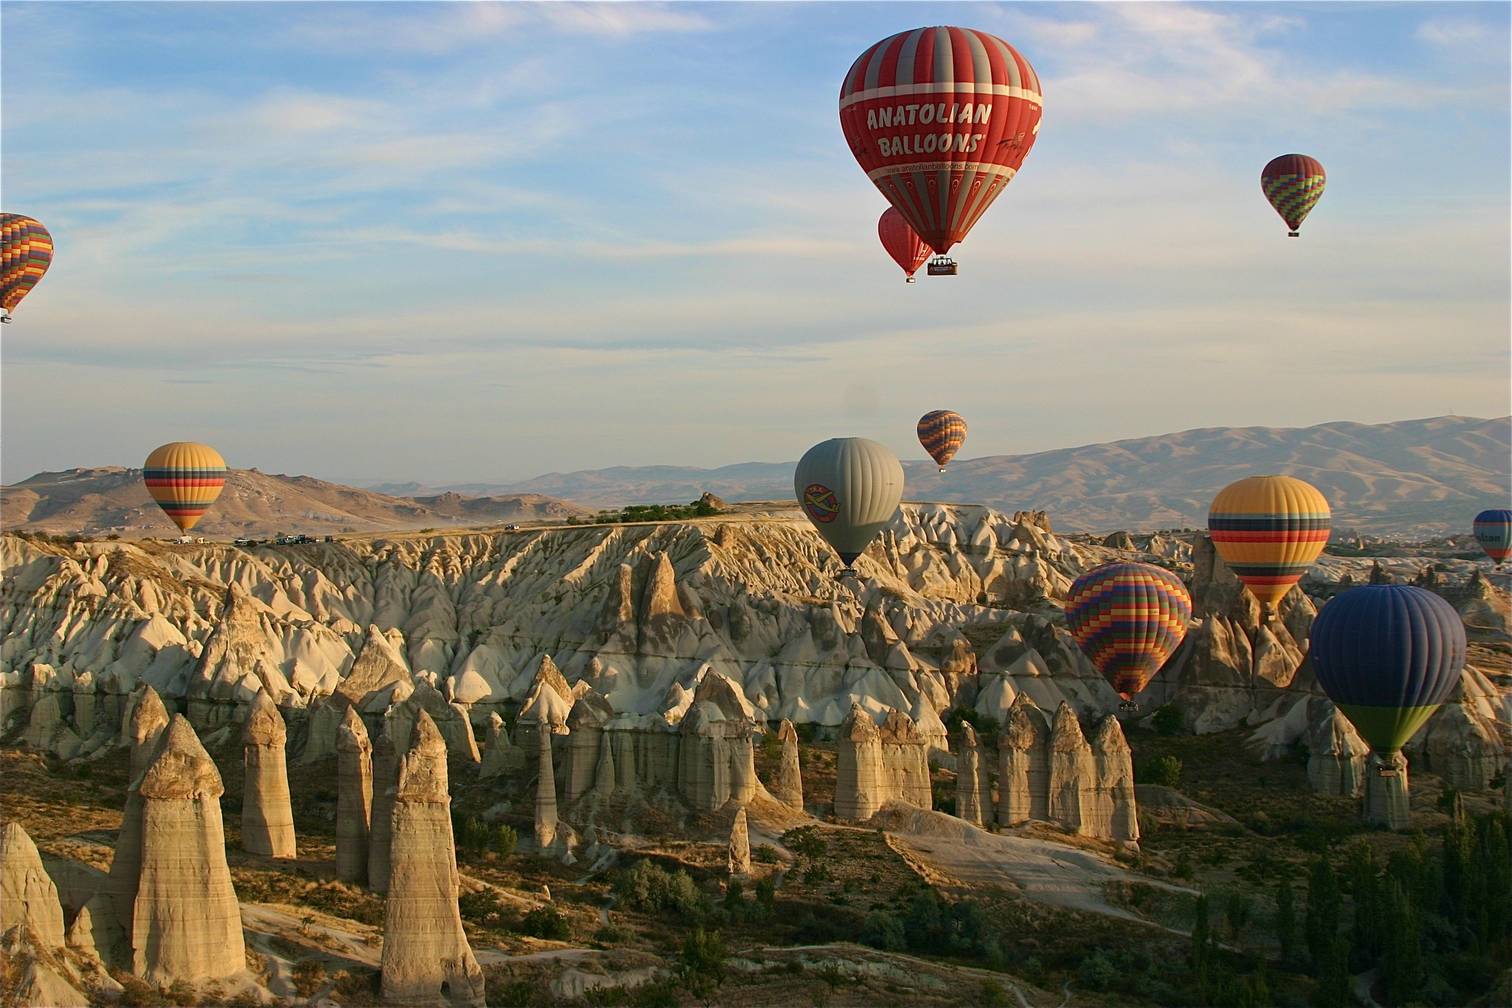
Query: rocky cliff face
x,y
634,611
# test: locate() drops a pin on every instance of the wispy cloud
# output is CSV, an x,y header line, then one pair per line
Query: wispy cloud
x,y
1459,33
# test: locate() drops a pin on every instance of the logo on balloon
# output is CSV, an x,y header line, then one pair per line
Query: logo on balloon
x,y
821,503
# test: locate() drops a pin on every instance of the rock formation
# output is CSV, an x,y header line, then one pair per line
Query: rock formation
x,y
144,732
500,755
740,845
385,781
186,925
1113,813
27,895
1048,772
267,819
1071,773
546,798
354,798
973,790
1335,752
426,958
878,765
861,784
1461,748
1024,765
235,664
788,788
35,973
1386,802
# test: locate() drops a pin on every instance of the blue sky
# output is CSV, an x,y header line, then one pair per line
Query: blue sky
x,y
477,242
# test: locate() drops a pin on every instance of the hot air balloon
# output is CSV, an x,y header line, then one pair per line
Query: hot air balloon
x,y
26,250
1493,530
185,479
1269,530
1128,618
940,119
1387,656
942,432
849,488
1293,183
907,248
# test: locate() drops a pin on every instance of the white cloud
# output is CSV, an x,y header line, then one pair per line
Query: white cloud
x,y
1453,33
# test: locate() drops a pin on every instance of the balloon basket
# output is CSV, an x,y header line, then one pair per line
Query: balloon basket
x,y
909,280
942,468
942,266
4,317
1294,234
1128,707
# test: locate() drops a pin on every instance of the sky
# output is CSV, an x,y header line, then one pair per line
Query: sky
x,y
478,242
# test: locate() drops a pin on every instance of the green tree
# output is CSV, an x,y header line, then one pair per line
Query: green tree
x,y
1201,953
1239,909
1364,885
1168,720
1332,972
701,965
504,840
1324,900
1286,920
1165,771
1401,961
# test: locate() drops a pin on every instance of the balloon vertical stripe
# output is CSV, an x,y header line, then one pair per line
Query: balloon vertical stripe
x,y
185,479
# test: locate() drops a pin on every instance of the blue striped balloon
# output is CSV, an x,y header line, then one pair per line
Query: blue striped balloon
x,y
1388,656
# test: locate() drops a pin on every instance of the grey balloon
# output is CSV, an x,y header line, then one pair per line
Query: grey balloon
x,y
850,489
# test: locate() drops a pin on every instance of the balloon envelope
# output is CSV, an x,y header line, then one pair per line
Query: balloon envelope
x,y
1269,530
1293,183
184,478
1387,656
26,250
942,432
1493,530
901,242
849,488
1128,618
940,119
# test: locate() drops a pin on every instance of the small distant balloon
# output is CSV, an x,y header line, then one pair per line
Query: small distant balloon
x,y
849,488
902,243
1128,618
1293,183
942,432
1388,656
1269,530
26,250
185,478
1493,530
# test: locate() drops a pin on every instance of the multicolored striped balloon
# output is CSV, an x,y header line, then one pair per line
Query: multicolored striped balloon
x,y
1269,530
1128,618
1493,530
184,478
26,250
1388,656
940,119
1293,183
942,432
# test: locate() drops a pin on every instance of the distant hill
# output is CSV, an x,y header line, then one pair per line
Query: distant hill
x,y
113,500
1402,478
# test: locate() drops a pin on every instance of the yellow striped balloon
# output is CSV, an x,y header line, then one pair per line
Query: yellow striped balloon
x,y
942,432
1269,530
26,250
184,478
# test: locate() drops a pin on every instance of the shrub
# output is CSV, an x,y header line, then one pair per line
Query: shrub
x,y
309,977
1097,972
544,922
645,886
504,840
883,931
611,934
764,854
805,840
1168,720
1165,770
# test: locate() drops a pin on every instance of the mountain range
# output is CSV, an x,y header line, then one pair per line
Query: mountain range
x,y
113,500
1409,477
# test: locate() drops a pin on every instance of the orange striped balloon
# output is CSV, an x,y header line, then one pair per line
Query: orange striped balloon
x,y
26,250
184,478
942,432
1269,530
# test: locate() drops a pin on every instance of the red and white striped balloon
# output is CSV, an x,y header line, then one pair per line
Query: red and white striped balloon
x,y
940,119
